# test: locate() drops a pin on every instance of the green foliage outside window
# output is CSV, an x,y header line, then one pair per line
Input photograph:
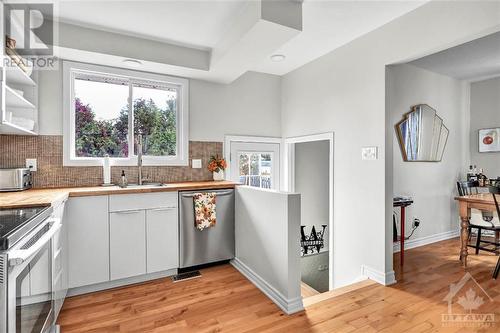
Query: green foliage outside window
x,y
96,138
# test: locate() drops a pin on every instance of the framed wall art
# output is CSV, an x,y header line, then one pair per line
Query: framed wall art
x,y
489,140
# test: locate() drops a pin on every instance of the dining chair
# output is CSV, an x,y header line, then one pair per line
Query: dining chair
x,y
479,220
495,190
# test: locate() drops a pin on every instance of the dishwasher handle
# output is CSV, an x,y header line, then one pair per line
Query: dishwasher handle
x,y
190,195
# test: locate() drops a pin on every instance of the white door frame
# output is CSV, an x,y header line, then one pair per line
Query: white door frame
x,y
289,184
228,139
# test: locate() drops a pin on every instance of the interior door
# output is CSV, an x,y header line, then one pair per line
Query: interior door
x,y
255,164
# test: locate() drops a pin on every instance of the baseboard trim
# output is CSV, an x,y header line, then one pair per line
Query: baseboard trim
x,y
289,306
120,283
385,279
417,242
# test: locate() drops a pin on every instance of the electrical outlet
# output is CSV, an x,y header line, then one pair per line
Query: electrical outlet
x,y
196,164
322,267
31,164
416,222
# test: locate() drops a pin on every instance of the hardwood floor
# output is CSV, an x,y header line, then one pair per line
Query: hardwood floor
x,y
223,300
307,291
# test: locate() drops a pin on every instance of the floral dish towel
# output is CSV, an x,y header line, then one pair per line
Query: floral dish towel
x,y
204,210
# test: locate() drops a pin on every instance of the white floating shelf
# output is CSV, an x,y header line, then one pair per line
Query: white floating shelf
x,y
14,100
16,75
9,128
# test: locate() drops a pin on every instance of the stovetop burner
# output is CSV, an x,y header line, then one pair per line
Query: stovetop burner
x,y
12,221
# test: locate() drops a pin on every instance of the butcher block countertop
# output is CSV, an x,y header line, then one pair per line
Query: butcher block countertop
x,y
48,196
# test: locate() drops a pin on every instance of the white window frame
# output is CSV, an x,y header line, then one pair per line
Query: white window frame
x,y
70,69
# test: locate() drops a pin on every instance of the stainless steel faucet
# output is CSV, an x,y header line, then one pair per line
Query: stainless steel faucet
x,y
139,158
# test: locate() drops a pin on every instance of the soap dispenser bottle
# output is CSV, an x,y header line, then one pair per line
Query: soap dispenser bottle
x,y
123,180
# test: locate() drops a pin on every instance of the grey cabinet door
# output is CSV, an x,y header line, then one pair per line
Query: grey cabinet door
x,y
88,240
127,237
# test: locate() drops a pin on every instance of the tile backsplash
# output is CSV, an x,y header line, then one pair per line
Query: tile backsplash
x,y
48,150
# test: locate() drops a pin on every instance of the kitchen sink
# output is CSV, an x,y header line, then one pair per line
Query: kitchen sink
x,y
146,185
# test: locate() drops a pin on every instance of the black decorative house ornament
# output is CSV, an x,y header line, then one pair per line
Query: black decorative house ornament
x,y
312,243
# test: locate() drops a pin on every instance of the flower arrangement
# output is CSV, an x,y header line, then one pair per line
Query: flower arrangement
x,y
216,164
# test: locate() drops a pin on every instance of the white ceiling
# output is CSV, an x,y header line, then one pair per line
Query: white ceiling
x,y
190,23
326,25
472,61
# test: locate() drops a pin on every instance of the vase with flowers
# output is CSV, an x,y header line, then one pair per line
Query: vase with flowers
x,y
217,165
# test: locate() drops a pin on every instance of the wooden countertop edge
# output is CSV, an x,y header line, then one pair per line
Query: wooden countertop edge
x,y
48,196
475,198
82,192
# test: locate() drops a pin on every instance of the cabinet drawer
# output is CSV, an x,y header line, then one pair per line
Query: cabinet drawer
x,y
121,202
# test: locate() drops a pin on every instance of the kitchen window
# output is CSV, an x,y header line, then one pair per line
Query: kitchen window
x,y
107,109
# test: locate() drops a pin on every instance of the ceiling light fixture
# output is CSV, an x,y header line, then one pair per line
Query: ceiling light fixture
x,y
132,63
277,57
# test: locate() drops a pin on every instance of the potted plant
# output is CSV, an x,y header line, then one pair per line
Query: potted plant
x,y
217,166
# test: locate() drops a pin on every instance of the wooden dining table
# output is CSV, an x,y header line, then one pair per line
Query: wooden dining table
x,y
481,201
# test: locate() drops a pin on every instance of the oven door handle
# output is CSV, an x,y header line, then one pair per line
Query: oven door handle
x,y
17,257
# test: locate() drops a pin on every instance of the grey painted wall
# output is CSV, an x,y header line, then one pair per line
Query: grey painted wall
x,y
311,275
311,181
432,185
484,113
344,92
251,105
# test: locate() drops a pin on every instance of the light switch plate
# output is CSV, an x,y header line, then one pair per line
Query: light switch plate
x,y
31,164
369,153
196,164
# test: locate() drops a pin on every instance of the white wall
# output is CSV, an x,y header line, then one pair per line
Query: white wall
x,y
431,184
267,243
484,113
344,92
251,105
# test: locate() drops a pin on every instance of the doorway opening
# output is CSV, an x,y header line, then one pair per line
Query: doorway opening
x,y
309,171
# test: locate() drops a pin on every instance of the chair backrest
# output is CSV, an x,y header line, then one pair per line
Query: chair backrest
x,y
468,187
495,190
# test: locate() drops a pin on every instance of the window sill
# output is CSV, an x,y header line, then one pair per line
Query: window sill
x,y
125,162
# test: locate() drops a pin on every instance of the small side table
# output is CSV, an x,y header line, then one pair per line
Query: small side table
x,y
402,203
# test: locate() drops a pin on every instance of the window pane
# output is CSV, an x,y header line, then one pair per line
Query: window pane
x,y
155,119
101,119
255,169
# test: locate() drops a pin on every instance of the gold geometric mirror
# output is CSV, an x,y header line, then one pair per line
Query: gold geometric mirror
x,y
422,135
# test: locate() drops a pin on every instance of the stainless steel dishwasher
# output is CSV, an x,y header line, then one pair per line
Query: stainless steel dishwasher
x,y
211,244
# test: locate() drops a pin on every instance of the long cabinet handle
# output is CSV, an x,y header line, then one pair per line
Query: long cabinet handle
x,y
161,209
190,195
127,212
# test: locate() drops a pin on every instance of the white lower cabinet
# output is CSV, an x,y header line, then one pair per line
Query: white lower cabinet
x,y
121,236
127,243
162,239
88,240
